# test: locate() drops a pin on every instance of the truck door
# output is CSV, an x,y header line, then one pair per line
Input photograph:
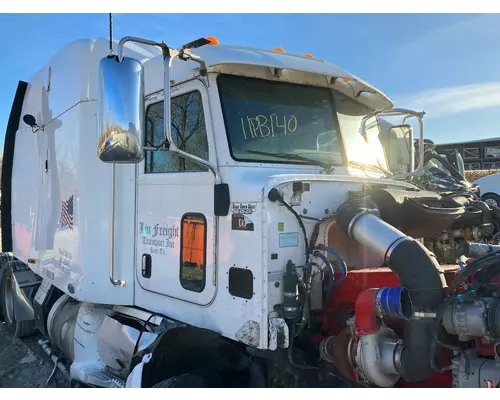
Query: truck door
x,y
175,225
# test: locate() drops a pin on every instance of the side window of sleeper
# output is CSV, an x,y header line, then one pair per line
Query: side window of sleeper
x,y
188,132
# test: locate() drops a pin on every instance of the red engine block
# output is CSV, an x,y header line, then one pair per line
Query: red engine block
x,y
341,306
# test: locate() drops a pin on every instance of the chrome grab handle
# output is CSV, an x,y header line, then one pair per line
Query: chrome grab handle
x,y
115,282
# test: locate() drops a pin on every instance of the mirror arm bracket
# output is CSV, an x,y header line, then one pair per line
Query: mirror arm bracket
x,y
185,55
409,114
164,48
167,58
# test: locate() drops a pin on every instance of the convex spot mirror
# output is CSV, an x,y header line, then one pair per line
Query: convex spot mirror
x,y
29,120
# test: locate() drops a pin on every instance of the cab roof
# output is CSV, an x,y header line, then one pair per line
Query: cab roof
x,y
269,64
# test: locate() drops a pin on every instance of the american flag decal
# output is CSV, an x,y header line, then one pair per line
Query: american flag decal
x,y
67,214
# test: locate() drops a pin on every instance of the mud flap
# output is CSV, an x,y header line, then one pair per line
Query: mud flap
x,y
22,283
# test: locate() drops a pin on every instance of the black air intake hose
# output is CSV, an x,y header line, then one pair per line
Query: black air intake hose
x,y
487,214
417,270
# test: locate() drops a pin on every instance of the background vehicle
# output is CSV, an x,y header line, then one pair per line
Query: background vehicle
x,y
490,189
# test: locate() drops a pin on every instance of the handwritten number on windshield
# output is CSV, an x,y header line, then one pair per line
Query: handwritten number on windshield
x,y
263,126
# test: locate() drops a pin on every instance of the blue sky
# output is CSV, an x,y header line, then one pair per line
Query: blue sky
x,y
445,64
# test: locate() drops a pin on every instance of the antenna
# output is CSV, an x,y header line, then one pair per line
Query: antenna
x,y
110,34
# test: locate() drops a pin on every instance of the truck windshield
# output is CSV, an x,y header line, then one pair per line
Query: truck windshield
x,y
280,122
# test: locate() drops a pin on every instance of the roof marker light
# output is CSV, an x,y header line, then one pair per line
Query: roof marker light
x,y
212,39
308,55
279,50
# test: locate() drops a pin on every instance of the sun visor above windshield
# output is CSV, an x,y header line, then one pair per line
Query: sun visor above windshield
x,y
272,65
354,89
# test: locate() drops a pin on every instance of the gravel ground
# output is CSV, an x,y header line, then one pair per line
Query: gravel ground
x,y
23,363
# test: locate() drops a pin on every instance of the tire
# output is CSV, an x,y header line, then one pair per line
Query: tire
x,y
491,199
18,329
183,381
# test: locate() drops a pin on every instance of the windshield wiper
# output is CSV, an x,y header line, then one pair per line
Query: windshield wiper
x,y
370,167
294,157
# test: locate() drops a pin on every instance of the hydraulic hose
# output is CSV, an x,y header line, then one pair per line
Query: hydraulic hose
x,y
340,260
274,196
482,263
331,274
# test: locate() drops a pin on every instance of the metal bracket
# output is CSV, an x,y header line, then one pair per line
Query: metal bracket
x,y
279,334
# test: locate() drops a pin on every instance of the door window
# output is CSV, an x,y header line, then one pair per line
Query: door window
x,y
193,252
188,133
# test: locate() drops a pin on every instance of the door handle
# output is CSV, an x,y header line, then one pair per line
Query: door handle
x,y
146,265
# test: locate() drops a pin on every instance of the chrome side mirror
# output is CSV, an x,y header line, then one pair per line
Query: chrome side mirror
x,y
392,112
121,111
401,151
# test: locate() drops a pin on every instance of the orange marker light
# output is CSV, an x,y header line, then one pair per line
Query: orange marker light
x,y
279,50
308,55
346,80
212,40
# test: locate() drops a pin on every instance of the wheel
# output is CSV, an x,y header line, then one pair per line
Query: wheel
x,y
183,381
18,329
491,199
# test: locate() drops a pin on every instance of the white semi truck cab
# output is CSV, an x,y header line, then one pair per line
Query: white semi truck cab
x,y
204,239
